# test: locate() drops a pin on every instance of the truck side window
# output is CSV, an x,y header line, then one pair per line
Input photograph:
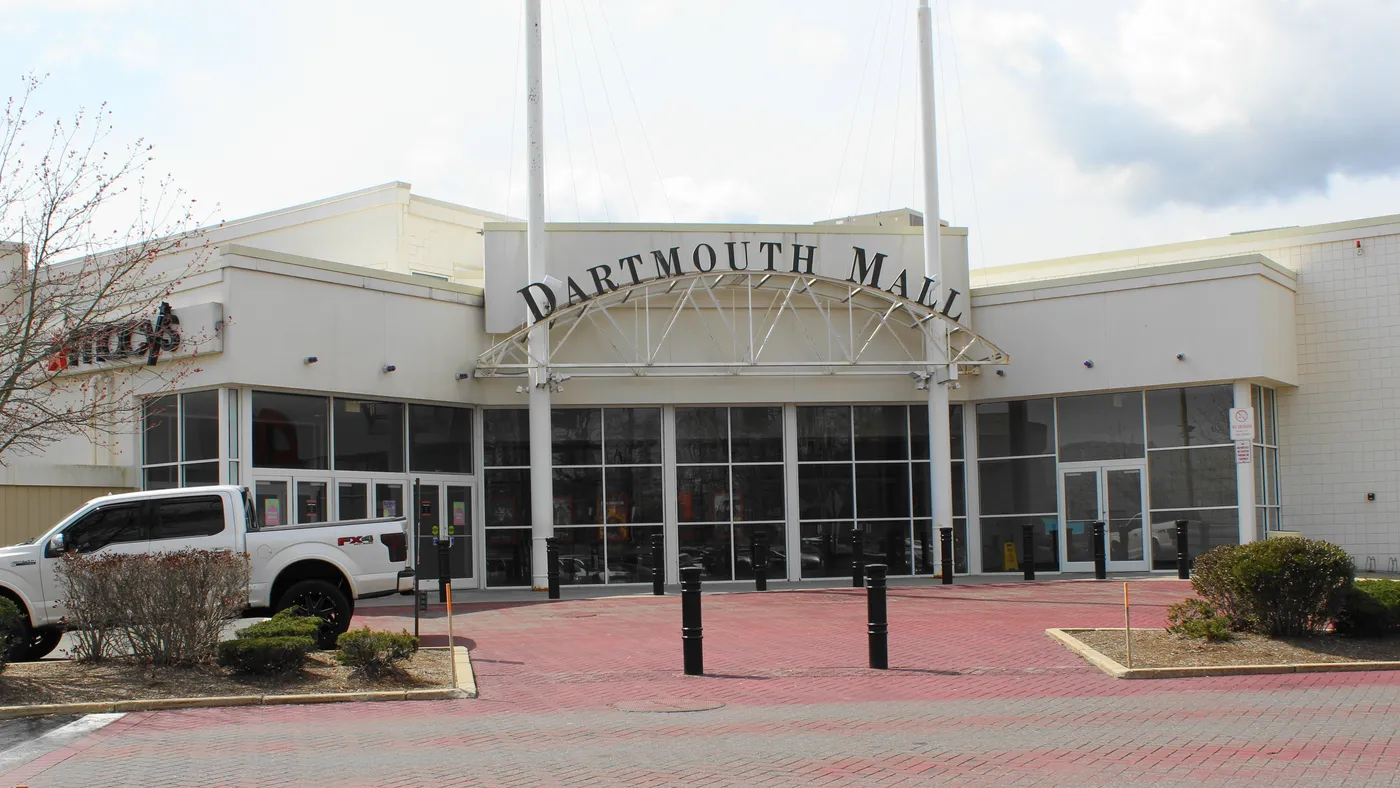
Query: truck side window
x,y
182,518
108,525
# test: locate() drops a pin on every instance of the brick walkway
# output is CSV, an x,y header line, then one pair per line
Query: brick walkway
x,y
978,695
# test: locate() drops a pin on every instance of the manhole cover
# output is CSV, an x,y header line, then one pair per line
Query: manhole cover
x,y
667,706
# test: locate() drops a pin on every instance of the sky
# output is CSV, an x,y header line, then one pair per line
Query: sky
x,y
1064,128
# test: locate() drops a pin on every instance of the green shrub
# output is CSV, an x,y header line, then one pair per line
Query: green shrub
x,y
1277,587
1195,618
287,623
1370,609
265,656
11,628
372,653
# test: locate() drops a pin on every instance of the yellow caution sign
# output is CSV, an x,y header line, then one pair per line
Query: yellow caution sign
x,y
1008,557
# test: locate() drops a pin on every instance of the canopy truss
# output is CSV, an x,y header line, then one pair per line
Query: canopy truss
x,y
768,323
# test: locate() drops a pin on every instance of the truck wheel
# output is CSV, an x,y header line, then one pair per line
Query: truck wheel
x,y
19,638
323,600
43,642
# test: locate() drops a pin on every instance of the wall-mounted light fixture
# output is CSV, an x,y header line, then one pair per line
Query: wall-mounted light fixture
x,y
1359,250
1370,496
310,360
1001,373
464,376
389,368
1180,356
1089,364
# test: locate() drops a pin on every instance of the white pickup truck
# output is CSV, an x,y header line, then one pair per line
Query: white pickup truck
x,y
322,567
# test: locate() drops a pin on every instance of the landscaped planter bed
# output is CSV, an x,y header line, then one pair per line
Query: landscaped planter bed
x,y
65,682
1160,654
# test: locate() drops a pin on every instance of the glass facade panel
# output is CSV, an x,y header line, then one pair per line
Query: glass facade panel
x,y
743,550
634,495
368,435
578,496
271,500
439,439
632,436
886,542
881,432
1003,544
1100,427
290,431
201,426
826,549
1192,478
200,474
702,435
708,547
507,497
353,500
162,478
1205,529
1021,486
758,492
757,434
578,436
508,557
388,500
700,491
506,438
918,431
1197,416
824,434
629,553
824,492
581,559
1016,429
311,502
882,490
161,423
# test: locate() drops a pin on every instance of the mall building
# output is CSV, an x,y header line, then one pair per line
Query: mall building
x,y
709,382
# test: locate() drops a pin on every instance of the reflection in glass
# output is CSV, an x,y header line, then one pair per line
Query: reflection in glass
x,y
700,490
290,431
1100,427
1205,529
708,547
458,515
632,435
353,500
887,543
758,492
201,425
629,553
439,439
164,477
634,495
757,434
1125,524
1081,511
824,492
201,474
578,436
1022,486
161,430
1197,416
1016,429
743,550
1190,478
702,435
368,435
507,497
505,437
824,433
826,549
882,489
581,558
578,496
881,432
1002,543
508,557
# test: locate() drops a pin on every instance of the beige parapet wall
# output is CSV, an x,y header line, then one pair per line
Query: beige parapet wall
x,y
27,510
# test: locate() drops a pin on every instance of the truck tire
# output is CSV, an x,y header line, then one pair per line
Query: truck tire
x,y
323,600
43,642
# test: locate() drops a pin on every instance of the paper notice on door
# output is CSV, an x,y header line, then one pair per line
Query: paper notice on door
x,y
391,508
272,511
459,512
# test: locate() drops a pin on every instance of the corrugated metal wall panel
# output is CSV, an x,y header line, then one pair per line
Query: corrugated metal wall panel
x,y
29,510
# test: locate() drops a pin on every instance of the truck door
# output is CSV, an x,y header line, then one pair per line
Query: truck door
x,y
190,522
113,528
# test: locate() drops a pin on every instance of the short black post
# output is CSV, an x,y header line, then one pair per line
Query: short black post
x,y
857,559
444,567
551,562
692,634
1100,555
878,616
1028,551
658,565
945,544
758,551
1183,563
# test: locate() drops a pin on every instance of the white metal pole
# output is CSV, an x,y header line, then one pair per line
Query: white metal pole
x,y
940,449
541,474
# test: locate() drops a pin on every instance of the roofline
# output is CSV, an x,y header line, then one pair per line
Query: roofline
x,y
1250,238
345,269
1120,275
718,227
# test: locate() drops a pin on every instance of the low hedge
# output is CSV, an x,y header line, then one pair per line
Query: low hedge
x,y
1277,587
1370,609
373,653
1195,618
264,656
11,628
287,623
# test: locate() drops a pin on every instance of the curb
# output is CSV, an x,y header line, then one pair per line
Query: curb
x,y
465,689
1118,671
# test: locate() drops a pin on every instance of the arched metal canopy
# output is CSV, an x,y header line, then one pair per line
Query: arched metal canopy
x,y
768,323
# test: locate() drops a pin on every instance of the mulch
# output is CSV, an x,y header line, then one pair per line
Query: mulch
x,y
65,681
1156,648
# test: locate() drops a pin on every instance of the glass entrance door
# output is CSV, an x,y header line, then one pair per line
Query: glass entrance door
x,y
445,512
1113,494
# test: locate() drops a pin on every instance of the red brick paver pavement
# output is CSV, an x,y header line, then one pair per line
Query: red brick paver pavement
x,y
977,695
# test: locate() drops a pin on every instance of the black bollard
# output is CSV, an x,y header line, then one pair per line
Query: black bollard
x,y
658,565
758,552
551,562
444,567
1183,563
945,544
692,634
1100,554
857,559
1028,551
878,616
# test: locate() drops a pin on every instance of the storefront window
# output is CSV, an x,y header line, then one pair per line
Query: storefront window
x,y
1016,484
1100,427
729,487
290,431
607,473
439,439
368,435
1191,470
1266,494
180,440
506,481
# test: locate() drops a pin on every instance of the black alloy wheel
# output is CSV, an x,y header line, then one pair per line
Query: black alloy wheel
x,y
323,600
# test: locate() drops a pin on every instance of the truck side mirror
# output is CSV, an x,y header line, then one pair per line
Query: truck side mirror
x,y
57,545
